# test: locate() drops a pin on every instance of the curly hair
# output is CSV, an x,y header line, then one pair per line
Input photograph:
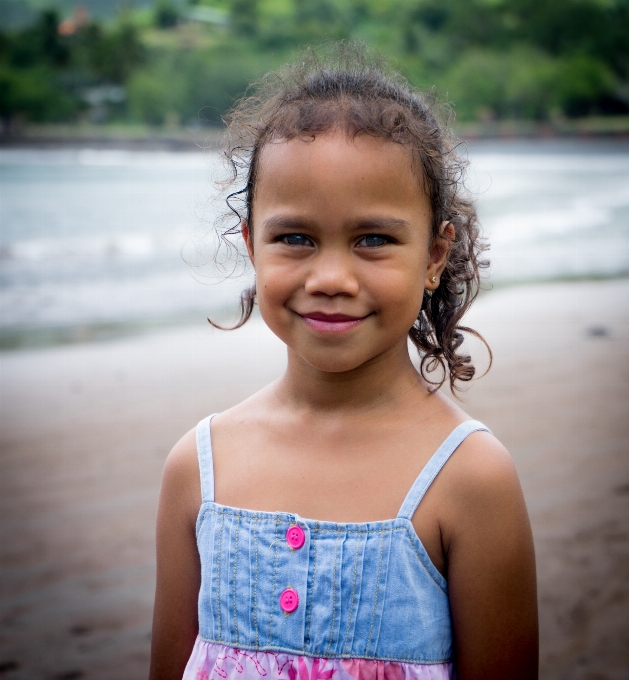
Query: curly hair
x,y
350,89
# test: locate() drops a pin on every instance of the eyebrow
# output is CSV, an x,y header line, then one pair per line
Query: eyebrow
x,y
390,224
278,223
282,222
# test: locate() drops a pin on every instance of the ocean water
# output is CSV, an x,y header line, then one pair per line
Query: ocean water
x,y
553,209
93,242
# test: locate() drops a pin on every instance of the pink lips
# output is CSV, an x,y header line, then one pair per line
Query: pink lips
x,y
331,323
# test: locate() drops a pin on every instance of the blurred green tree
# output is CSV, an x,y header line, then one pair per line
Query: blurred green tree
x,y
32,94
244,17
492,58
120,53
166,15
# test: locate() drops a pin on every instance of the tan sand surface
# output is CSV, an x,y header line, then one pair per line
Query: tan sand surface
x,y
85,430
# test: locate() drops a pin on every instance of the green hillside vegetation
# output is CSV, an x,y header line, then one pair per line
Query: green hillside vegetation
x,y
185,63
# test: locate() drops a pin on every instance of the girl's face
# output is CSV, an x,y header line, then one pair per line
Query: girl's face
x,y
342,247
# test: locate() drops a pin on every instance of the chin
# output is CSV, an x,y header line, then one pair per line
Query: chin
x,y
333,362
334,367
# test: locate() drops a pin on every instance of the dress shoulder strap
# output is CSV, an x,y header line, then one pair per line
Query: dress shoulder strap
x,y
206,459
434,465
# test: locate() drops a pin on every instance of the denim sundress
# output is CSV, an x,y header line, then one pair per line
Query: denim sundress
x,y
284,597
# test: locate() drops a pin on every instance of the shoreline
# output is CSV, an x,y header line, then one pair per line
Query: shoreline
x,y
111,137
26,339
139,137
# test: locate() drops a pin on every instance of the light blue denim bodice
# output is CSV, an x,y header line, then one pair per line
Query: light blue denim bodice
x,y
366,590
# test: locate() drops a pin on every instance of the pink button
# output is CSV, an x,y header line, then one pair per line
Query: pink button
x,y
295,537
289,600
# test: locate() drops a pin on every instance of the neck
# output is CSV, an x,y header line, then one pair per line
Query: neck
x,y
385,382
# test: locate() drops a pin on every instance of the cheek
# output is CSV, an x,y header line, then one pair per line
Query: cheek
x,y
398,293
274,284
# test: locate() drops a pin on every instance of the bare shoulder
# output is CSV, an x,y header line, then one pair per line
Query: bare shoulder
x,y
180,481
481,469
477,487
487,540
481,490
480,464
175,623
182,458
482,514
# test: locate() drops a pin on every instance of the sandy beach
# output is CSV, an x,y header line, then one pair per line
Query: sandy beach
x,y
86,428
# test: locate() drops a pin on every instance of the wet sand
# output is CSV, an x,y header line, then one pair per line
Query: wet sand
x,y
86,428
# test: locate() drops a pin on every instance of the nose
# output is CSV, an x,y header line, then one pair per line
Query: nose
x,y
332,274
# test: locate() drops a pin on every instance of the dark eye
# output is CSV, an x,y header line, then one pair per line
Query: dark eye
x,y
373,241
296,240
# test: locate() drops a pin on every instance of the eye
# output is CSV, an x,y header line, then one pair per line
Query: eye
x,y
295,240
373,241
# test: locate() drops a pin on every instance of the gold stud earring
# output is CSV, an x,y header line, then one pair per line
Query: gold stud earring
x,y
434,279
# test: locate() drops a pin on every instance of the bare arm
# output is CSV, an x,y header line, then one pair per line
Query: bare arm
x,y
491,567
175,622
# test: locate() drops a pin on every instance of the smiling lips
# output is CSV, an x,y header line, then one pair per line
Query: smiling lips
x,y
331,323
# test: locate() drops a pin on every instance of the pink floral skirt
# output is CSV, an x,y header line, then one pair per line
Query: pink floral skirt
x,y
210,661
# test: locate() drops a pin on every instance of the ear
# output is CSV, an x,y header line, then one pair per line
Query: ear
x,y
438,254
247,237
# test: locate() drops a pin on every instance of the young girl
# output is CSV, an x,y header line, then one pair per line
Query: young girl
x,y
348,521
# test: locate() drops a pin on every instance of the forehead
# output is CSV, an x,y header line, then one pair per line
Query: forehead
x,y
359,172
